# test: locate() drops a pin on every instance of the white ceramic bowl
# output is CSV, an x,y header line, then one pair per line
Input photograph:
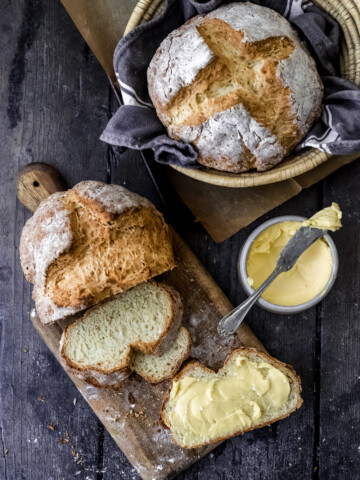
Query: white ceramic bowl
x,y
272,307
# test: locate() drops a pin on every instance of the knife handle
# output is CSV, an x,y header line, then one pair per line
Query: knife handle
x,y
35,182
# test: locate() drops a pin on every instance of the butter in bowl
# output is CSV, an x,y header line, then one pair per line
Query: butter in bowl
x,y
314,273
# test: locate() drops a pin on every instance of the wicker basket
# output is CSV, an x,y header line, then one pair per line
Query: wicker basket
x,y
347,13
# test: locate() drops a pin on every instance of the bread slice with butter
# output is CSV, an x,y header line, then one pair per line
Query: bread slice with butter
x,y
250,391
155,369
102,345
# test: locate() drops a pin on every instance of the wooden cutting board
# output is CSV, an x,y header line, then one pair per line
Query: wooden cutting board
x,y
131,415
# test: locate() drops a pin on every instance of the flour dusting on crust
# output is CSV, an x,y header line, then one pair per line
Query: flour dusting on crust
x,y
258,23
45,236
241,130
112,198
227,133
178,60
48,311
48,234
305,85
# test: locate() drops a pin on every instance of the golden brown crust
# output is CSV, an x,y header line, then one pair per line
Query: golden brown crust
x,y
99,383
76,236
138,241
288,370
280,120
157,347
248,99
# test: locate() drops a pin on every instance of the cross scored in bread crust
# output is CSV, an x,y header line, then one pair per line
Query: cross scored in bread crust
x,y
240,72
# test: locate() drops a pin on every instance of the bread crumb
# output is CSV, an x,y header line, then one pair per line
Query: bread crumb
x,y
65,438
135,414
52,426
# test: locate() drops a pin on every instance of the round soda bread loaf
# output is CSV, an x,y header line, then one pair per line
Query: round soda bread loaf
x,y
238,84
89,243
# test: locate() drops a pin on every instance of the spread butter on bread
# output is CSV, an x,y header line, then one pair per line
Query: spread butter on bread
x,y
250,391
89,243
137,330
238,84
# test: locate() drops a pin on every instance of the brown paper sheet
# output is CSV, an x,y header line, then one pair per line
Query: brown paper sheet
x,y
222,211
102,24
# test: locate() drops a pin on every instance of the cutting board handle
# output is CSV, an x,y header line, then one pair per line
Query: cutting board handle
x,y
37,181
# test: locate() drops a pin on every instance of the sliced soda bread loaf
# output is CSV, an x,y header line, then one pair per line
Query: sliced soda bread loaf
x,y
250,391
89,243
101,346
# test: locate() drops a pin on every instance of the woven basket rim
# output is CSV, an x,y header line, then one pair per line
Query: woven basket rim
x,y
347,13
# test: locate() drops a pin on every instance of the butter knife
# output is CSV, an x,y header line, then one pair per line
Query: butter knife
x,y
297,245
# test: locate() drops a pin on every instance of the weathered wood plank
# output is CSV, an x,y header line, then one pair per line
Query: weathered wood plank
x,y
57,100
338,436
284,450
257,453
45,70
102,36
129,171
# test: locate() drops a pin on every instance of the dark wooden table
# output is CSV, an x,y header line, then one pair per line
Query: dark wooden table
x,y
55,101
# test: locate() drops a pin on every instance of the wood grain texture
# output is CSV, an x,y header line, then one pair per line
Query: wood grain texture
x,y
43,106
267,452
131,415
55,102
338,334
35,182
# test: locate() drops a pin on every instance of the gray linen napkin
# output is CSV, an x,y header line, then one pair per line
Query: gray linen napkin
x,y
136,125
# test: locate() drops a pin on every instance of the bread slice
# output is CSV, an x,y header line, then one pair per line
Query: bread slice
x,y
238,84
246,399
89,243
105,339
155,369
